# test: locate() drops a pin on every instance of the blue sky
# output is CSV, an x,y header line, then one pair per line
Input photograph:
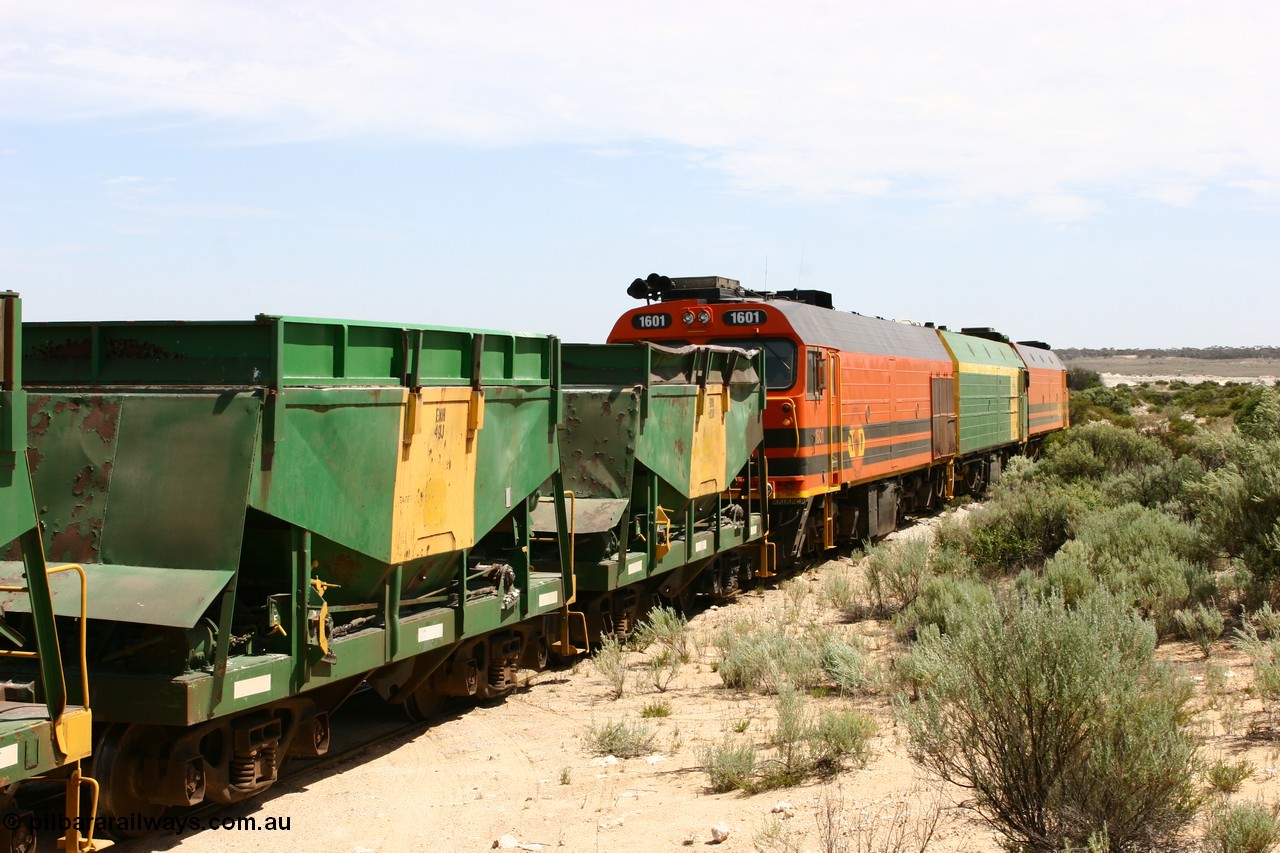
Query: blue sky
x,y
1090,174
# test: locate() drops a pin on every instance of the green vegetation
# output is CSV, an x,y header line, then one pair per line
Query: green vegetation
x,y
764,654
1031,627
1226,777
802,744
1032,679
1061,723
611,662
622,739
657,708
1247,828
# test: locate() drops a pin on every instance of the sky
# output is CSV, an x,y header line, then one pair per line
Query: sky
x,y
1087,173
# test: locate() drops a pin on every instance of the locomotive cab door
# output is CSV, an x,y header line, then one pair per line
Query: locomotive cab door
x,y
944,416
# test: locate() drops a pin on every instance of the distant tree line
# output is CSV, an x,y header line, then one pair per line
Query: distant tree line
x,y
1178,352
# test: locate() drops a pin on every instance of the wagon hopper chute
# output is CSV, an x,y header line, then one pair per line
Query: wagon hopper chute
x,y
271,512
658,448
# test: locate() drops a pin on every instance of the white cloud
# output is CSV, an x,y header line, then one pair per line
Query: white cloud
x,y
1176,195
1040,103
1062,207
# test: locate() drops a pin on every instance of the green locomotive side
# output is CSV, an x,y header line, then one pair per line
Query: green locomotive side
x,y
990,393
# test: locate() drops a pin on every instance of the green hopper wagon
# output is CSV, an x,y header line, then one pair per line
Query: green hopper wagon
x,y
655,448
273,512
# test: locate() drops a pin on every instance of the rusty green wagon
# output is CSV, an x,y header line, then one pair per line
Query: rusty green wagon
x,y
272,513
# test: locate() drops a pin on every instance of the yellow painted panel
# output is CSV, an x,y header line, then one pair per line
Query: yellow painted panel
x,y
75,734
707,464
436,474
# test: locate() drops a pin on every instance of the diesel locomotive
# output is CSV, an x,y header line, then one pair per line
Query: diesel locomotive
x,y
866,418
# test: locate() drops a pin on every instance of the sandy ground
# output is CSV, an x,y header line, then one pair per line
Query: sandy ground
x,y
522,768
1130,370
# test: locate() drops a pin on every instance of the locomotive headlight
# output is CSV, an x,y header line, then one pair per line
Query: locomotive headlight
x,y
704,316
688,318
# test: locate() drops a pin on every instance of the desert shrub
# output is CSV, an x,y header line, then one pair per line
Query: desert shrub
x,y
656,708
1245,828
895,572
667,627
729,765
844,661
1022,525
1238,501
838,735
1101,404
661,669
1167,481
621,738
804,746
841,591
1265,655
1145,555
1226,777
1062,724
951,535
1202,626
1094,451
1080,379
1179,435
761,654
946,602
789,737
950,562
916,671
1267,620
611,662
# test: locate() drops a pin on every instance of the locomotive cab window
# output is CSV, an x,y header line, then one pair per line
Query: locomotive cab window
x,y
815,374
779,359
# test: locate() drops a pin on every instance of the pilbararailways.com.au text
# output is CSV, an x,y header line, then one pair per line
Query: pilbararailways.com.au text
x,y
134,824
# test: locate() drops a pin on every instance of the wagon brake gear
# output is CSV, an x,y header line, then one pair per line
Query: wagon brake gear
x,y
320,625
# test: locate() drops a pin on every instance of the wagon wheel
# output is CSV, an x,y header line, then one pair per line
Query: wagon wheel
x,y
21,838
424,704
115,765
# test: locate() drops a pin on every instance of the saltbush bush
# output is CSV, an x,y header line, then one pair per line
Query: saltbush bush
x,y
1245,828
1238,501
949,603
1145,555
1061,723
1024,523
1094,451
895,573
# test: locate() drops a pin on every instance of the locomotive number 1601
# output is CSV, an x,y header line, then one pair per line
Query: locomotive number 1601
x,y
745,317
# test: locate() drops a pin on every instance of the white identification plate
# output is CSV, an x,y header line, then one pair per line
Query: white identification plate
x,y
430,632
548,598
699,547
634,567
252,686
8,756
